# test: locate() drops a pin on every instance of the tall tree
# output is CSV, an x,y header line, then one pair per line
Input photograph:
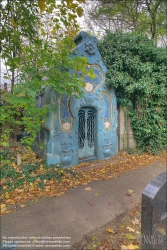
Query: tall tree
x,y
36,44
144,16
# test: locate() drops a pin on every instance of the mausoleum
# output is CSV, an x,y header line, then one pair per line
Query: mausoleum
x,y
84,128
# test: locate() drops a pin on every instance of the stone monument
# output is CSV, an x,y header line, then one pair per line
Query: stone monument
x,y
154,214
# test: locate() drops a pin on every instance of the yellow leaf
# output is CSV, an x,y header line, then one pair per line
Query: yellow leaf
x,y
42,5
6,195
88,189
3,207
130,192
96,194
109,230
53,31
131,247
6,77
123,247
130,229
130,237
23,205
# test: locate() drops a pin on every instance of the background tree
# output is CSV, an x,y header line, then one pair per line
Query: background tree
x,y
137,70
36,45
144,16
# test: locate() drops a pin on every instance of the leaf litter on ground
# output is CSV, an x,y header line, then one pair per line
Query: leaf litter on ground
x,y
118,234
33,179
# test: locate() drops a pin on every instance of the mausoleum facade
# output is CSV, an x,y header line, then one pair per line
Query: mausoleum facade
x,y
84,128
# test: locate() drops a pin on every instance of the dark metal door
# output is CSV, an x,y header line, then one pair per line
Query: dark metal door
x,y
86,133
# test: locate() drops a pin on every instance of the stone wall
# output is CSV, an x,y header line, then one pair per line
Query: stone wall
x,y
125,133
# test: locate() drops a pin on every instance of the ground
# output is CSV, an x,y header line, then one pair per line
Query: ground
x,y
123,232
24,184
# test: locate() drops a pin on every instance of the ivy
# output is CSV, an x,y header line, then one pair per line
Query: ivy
x,y
137,70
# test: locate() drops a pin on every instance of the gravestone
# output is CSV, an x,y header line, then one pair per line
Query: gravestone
x,y
154,214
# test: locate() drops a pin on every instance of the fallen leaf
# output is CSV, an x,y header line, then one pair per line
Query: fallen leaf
x,y
22,205
96,194
88,189
3,208
123,247
136,221
130,237
130,229
131,246
109,230
90,204
136,246
130,192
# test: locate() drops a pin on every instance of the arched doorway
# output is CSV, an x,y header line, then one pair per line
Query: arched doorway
x,y
86,133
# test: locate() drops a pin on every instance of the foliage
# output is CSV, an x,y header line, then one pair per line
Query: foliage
x,y
36,46
147,17
137,69
35,173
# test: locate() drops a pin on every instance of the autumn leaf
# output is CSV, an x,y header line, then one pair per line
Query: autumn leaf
x,y
88,189
130,229
131,247
130,237
90,204
136,221
22,205
123,247
96,194
53,31
42,5
79,11
130,192
110,230
3,207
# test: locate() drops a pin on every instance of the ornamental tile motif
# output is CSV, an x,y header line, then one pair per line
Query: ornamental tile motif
x,y
107,108
92,84
89,48
89,87
65,118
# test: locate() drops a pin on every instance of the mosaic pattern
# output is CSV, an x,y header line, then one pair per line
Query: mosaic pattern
x,y
93,84
89,48
65,117
107,108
